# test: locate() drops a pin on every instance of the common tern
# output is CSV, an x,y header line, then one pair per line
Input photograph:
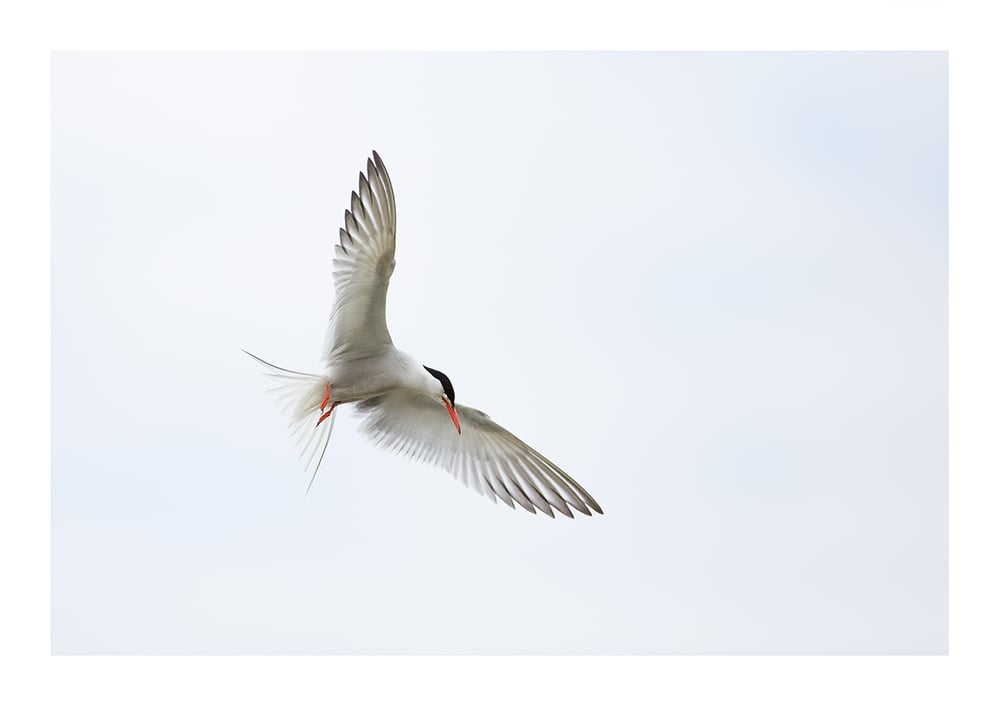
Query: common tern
x,y
407,407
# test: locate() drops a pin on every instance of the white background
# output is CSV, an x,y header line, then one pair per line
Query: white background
x,y
713,287
963,677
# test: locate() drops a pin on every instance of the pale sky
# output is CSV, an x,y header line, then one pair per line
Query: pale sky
x,y
711,287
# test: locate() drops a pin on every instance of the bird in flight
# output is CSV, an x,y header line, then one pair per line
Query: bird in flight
x,y
407,407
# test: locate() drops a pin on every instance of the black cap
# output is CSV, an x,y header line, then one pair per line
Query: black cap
x,y
449,391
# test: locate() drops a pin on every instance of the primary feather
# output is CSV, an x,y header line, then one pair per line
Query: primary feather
x,y
485,456
362,265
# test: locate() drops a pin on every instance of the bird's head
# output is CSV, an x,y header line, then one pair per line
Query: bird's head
x,y
444,389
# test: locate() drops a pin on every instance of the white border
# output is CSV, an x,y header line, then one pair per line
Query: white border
x,y
29,32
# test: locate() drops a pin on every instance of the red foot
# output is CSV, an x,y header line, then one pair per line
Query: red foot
x,y
322,406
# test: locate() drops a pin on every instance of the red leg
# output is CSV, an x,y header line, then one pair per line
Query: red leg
x,y
326,398
326,414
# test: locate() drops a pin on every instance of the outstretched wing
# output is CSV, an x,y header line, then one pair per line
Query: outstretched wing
x,y
484,456
362,264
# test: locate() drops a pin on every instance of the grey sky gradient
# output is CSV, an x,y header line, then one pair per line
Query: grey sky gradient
x,y
712,287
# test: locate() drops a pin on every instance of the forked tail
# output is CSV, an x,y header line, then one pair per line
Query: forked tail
x,y
304,397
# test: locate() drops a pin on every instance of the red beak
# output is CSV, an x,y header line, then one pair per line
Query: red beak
x,y
451,411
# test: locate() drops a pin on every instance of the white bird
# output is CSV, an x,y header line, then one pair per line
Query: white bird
x,y
408,407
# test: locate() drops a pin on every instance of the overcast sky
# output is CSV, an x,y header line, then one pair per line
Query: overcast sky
x,y
711,287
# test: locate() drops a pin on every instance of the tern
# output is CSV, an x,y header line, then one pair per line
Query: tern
x,y
407,407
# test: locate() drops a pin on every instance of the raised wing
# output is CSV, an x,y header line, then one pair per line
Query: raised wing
x,y
485,456
362,264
